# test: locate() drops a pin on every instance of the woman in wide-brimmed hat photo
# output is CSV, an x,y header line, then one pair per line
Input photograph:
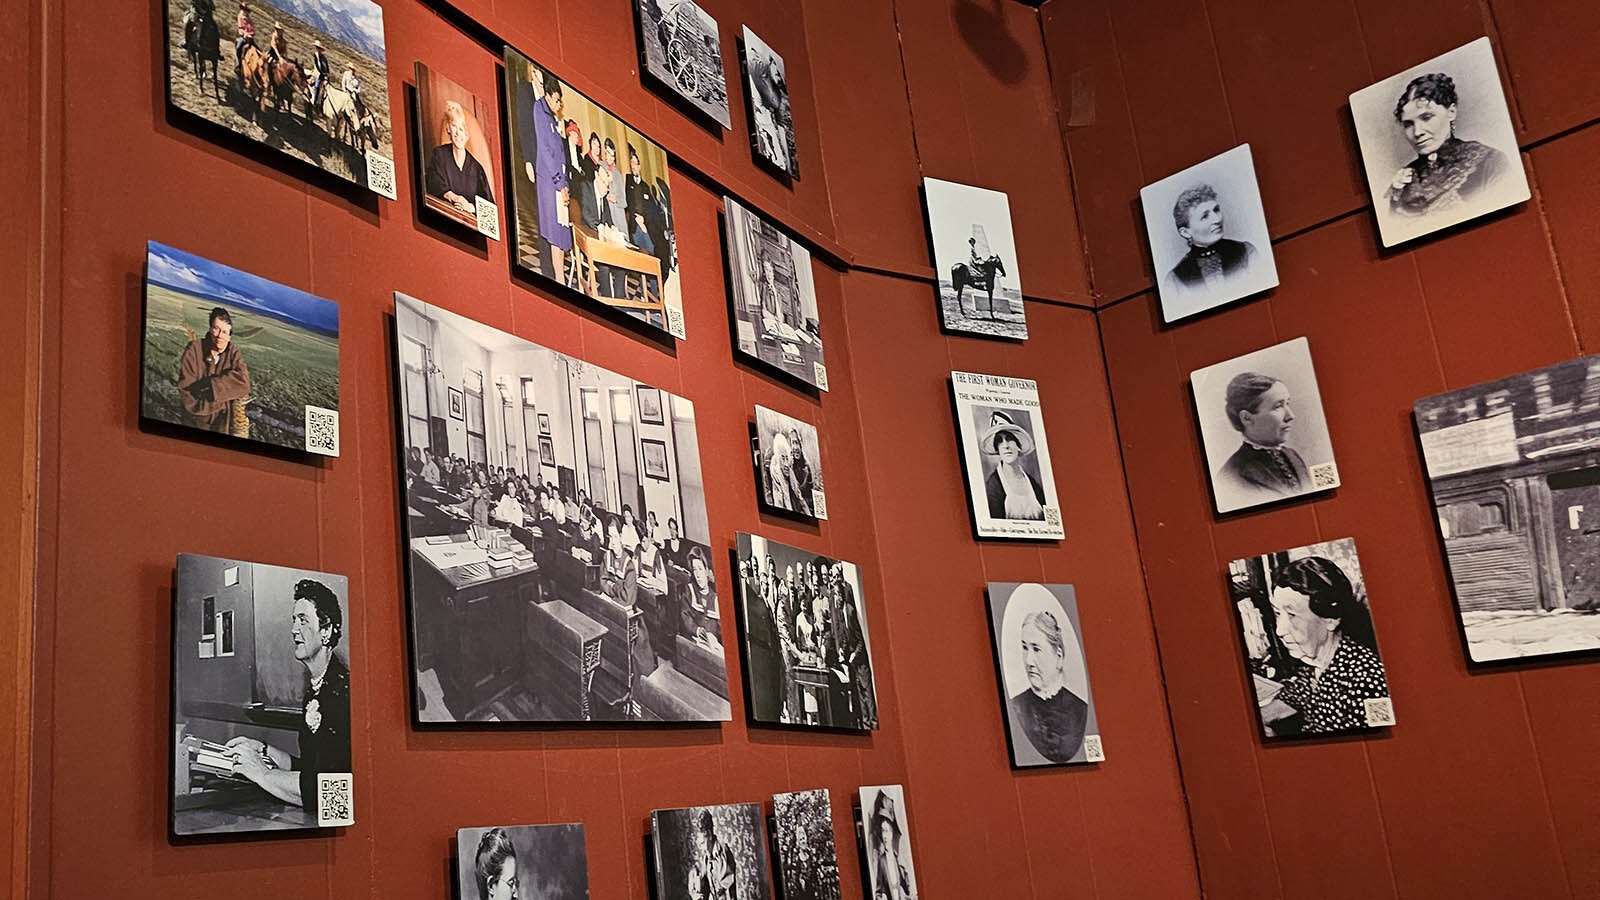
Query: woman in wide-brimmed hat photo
x,y
1013,491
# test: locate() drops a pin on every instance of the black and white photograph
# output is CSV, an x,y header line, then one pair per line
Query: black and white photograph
x,y
1438,144
682,52
890,875
771,120
808,660
1515,476
1208,235
711,853
1011,488
1049,710
788,458
261,698
454,146
564,577
1261,419
1309,641
975,260
774,299
808,861
507,862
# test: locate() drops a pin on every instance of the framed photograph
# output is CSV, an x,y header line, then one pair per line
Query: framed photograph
x,y
975,258
1438,144
1266,438
774,299
591,200
1516,489
681,52
1011,487
808,660
1049,710
544,423
1309,641
261,716
771,120
551,861
457,403
888,842
1208,235
808,861
649,406
232,353
562,541
711,851
454,146
789,465
309,80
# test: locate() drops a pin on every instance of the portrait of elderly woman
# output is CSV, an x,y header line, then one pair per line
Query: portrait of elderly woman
x,y
1212,258
1049,710
455,155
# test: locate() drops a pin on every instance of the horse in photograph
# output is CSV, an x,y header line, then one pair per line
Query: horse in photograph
x,y
287,77
254,78
203,42
345,120
983,275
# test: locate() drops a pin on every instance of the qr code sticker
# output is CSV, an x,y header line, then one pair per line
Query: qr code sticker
x,y
380,175
488,218
1052,515
334,807
819,504
675,323
1380,711
1093,751
819,373
322,431
1325,475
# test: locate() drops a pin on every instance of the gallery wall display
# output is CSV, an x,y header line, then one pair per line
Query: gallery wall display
x,y
975,259
553,577
1438,144
808,861
1309,641
455,146
774,298
503,862
808,660
788,458
887,831
261,698
232,353
307,78
1208,235
592,199
705,852
681,51
1516,487
771,119
1049,711
1266,438
1011,487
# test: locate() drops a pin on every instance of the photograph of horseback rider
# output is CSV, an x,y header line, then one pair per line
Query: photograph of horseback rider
x,y
975,255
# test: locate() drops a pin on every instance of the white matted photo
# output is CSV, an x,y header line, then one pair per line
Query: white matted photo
x,y
808,861
774,298
706,852
887,830
1011,487
1208,235
788,458
509,861
1309,641
1049,710
975,259
1266,438
771,119
1438,144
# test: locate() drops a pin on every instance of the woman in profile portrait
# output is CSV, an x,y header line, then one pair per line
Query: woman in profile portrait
x,y
1013,492
1447,170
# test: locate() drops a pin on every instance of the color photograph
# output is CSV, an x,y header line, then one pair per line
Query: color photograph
x,y
975,259
682,53
711,852
1049,711
808,862
508,862
771,119
788,457
1011,488
232,353
888,843
454,144
774,299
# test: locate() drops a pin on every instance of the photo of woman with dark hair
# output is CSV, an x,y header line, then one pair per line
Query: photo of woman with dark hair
x,y
889,870
1447,170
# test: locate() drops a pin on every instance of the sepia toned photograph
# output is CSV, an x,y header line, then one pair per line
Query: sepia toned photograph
x,y
591,199
307,78
808,861
1309,641
1515,477
454,144
1208,235
561,577
1011,488
261,698
975,260
1438,144
808,661
1049,711
788,457
1266,438
888,843
682,52
771,119
507,862
711,852
231,353
774,299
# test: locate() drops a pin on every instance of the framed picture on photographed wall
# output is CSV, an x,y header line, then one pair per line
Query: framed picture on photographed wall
x,y
975,258
1011,487
774,297
654,455
681,52
711,851
649,405
771,119
788,456
492,863
1050,715
457,404
455,149
544,423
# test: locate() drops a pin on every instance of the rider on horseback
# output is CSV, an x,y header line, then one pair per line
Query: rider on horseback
x,y
975,262
200,11
277,46
319,62
246,28
352,85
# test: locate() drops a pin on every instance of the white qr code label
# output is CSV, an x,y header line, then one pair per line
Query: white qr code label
x,y
380,175
675,323
334,802
1325,476
819,374
488,218
1379,710
819,504
322,431
1052,515
1093,751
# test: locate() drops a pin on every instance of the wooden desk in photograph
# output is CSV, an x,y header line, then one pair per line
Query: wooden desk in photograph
x,y
593,252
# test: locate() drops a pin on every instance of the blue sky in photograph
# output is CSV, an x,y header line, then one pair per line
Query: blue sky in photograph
x,y
228,287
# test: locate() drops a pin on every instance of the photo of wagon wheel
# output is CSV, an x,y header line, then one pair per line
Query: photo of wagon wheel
x,y
684,67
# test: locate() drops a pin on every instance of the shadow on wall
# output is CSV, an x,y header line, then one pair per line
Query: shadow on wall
x,y
984,30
